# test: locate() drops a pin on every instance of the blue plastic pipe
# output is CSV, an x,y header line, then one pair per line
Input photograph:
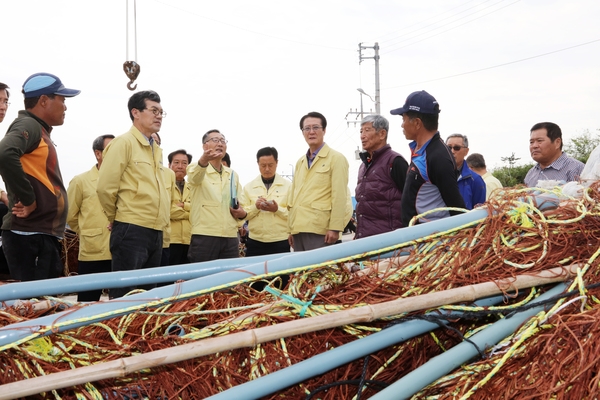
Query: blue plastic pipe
x,y
326,361
100,311
80,283
73,284
448,361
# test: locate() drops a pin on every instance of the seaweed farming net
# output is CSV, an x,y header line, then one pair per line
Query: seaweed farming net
x,y
552,355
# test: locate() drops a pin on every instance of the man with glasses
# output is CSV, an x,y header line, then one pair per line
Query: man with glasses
x,y
215,212
37,196
133,192
90,224
431,180
319,201
470,184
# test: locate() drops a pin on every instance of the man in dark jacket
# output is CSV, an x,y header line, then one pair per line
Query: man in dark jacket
x,y
380,180
36,193
470,184
431,179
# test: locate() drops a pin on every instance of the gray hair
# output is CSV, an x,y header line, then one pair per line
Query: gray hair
x,y
205,136
378,122
463,137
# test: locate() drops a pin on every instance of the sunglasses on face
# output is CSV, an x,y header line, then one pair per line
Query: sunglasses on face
x,y
455,148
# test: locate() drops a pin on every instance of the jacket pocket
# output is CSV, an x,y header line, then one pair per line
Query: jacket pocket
x,y
92,240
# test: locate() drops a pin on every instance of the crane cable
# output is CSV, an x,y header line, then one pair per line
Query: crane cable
x,y
131,68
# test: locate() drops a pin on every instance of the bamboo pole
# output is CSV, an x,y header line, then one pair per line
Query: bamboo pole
x,y
125,366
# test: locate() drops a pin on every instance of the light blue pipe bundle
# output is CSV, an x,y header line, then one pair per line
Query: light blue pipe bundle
x,y
97,312
73,284
80,283
440,366
326,361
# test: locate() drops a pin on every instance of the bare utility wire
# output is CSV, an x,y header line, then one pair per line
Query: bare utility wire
x,y
447,30
495,66
417,24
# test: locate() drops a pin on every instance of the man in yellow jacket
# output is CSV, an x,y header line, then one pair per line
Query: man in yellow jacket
x,y
215,214
90,225
181,229
319,197
169,178
265,201
132,190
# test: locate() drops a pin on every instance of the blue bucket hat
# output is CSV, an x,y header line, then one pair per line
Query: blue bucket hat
x,y
45,83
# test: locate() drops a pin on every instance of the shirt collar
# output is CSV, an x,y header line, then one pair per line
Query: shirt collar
x,y
558,164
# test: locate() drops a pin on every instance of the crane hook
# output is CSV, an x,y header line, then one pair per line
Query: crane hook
x,y
132,70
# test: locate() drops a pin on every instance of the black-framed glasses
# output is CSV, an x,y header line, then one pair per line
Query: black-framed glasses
x,y
216,140
456,147
157,112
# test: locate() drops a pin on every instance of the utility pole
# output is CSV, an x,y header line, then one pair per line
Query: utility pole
x,y
377,100
361,114
376,58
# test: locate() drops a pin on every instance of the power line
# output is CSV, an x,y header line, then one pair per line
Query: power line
x,y
252,31
447,30
380,38
438,21
496,66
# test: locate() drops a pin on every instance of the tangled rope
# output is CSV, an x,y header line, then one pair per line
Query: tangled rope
x,y
552,354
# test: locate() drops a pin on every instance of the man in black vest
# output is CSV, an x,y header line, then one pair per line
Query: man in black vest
x,y
380,180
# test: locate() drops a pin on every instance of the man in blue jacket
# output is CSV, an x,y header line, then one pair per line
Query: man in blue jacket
x,y
470,184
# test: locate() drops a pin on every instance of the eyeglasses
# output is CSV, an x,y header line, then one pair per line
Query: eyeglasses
x,y
456,148
216,140
315,128
157,112
6,103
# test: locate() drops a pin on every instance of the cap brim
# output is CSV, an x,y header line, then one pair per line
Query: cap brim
x,y
67,92
398,111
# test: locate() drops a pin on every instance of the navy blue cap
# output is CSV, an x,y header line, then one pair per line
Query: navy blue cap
x,y
421,102
45,83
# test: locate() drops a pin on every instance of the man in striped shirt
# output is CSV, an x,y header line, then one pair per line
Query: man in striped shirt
x,y
545,146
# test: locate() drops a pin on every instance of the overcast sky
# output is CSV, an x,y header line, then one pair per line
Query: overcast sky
x,y
252,69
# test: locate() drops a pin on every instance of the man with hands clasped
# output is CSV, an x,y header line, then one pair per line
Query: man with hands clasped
x,y
265,200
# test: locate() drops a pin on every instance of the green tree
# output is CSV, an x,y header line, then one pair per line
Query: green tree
x,y
582,145
512,175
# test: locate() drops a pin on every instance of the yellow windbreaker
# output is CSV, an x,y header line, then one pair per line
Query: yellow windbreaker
x,y
85,218
131,186
266,226
211,198
319,197
173,192
181,229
